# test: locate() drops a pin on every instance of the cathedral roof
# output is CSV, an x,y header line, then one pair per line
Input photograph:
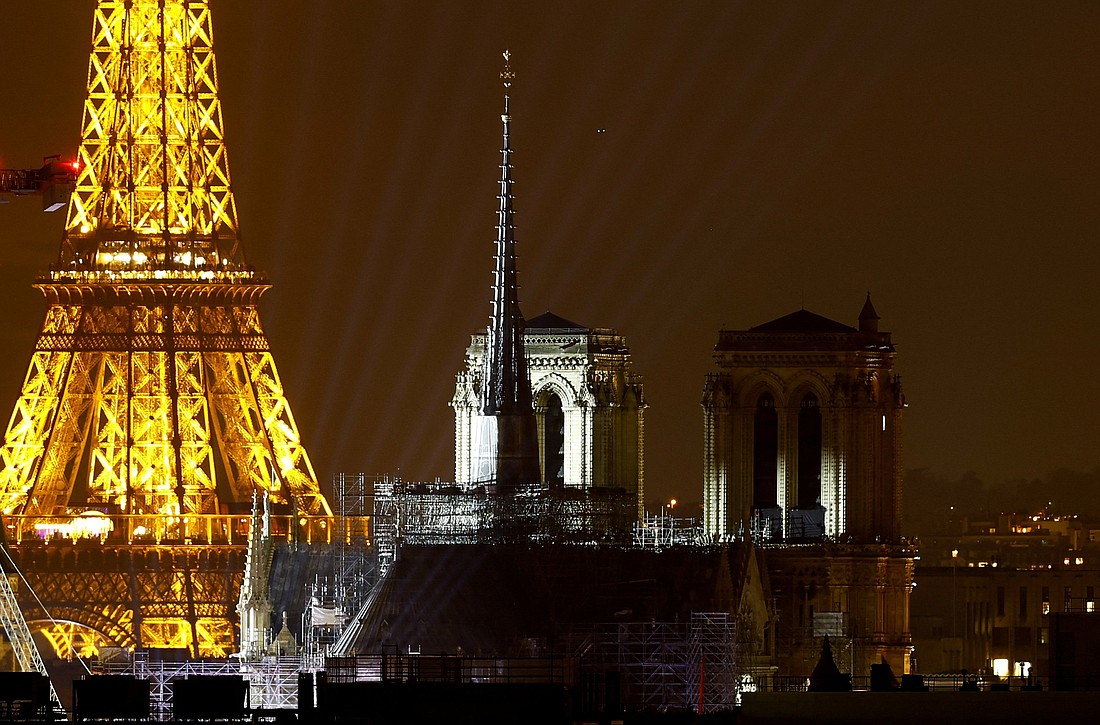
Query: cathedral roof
x,y
802,321
549,321
490,599
802,331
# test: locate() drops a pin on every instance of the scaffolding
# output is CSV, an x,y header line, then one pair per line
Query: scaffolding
x,y
443,513
272,682
386,531
715,661
653,660
694,665
663,530
354,569
323,619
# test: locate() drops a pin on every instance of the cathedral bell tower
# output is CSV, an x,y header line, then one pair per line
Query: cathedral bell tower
x,y
802,453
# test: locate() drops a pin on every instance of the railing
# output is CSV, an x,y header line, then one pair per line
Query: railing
x,y
451,668
213,529
939,683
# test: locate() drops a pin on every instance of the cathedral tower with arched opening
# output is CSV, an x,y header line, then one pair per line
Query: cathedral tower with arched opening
x,y
803,431
802,454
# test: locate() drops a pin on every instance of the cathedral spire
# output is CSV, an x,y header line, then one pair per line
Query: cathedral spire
x,y
507,389
506,453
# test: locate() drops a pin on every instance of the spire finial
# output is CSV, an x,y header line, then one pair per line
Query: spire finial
x,y
507,74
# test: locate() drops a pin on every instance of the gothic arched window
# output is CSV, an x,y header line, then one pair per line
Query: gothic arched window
x,y
553,441
765,452
809,453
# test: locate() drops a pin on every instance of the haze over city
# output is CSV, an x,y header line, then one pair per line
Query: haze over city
x,y
679,168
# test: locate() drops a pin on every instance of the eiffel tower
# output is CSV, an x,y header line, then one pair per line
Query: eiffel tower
x,y
152,409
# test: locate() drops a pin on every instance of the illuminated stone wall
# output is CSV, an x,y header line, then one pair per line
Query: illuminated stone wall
x,y
845,377
590,374
858,595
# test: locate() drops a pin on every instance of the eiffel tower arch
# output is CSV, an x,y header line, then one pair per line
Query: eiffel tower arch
x,y
152,408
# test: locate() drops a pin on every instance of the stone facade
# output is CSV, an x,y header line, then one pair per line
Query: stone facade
x,y
588,405
802,454
803,432
858,595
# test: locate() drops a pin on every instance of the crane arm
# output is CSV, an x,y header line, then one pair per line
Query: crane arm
x,y
55,181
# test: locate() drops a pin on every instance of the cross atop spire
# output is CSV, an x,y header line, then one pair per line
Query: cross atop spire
x,y
507,75
506,388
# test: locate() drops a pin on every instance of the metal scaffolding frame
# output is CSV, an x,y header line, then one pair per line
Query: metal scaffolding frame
x,y
694,665
442,513
715,661
663,530
354,568
654,662
323,619
273,681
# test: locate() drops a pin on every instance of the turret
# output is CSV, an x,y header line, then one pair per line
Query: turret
x,y
868,318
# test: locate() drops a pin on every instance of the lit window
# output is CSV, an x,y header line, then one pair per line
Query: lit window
x,y
1046,607
1090,606
1000,667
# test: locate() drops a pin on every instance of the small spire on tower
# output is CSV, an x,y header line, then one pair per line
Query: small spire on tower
x,y
868,318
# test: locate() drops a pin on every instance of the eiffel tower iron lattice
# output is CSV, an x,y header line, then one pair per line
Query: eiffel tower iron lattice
x,y
152,395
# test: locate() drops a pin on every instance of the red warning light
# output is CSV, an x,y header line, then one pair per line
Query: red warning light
x,y
75,165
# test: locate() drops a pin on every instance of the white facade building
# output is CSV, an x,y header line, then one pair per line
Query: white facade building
x,y
588,405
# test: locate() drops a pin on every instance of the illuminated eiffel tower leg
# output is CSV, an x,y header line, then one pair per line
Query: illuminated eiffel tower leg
x,y
152,396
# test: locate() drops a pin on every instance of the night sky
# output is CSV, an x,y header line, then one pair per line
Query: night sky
x,y
680,167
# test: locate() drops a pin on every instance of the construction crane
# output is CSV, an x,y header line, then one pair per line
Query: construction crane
x,y
54,182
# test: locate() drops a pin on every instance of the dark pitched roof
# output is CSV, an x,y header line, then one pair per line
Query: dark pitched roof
x,y
549,321
489,599
802,321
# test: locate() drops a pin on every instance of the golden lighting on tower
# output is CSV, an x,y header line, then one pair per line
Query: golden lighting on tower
x,y
152,396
